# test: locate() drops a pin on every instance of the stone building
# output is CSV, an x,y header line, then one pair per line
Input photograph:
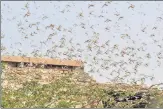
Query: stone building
x,y
46,63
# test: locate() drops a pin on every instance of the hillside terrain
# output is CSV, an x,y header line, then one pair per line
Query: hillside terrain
x,y
46,88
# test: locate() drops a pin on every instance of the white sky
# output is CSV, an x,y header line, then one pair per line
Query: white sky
x,y
145,14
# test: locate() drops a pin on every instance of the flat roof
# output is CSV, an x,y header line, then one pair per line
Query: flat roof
x,y
37,60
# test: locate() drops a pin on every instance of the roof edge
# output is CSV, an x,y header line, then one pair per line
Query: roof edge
x,y
39,60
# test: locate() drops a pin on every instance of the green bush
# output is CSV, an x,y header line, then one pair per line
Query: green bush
x,y
3,65
65,93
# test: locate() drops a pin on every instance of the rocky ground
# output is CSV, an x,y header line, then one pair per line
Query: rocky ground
x,y
15,77
49,88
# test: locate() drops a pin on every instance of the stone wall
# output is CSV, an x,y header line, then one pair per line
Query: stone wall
x,y
14,77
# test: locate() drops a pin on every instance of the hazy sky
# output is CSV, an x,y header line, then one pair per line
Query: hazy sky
x,y
146,16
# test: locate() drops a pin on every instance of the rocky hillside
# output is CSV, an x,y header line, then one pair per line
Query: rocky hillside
x,y
45,88
14,77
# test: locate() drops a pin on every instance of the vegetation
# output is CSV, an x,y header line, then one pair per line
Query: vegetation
x,y
120,58
66,93
3,65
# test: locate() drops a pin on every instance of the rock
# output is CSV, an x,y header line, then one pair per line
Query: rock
x,y
78,106
140,105
4,83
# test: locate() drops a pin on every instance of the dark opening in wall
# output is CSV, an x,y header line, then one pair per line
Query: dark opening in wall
x,y
12,64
